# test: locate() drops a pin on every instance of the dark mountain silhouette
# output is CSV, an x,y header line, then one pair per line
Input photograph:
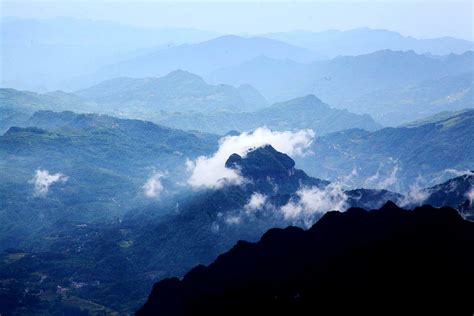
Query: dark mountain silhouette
x,y
356,261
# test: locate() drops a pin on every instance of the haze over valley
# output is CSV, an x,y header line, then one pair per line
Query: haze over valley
x,y
163,158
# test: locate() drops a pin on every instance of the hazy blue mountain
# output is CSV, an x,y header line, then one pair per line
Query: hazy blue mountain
x,y
395,158
341,80
16,106
98,166
357,257
12,117
361,41
32,101
441,116
145,98
311,112
393,107
185,101
300,113
178,91
43,54
277,79
204,57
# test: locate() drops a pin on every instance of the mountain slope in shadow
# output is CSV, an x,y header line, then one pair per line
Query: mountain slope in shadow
x,y
358,261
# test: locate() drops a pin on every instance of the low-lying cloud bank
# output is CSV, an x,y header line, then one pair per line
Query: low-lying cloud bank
x,y
42,180
210,171
312,201
303,209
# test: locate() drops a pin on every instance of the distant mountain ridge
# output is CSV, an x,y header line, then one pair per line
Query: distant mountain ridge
x,y
398,106
185,101
46,54
65,53
360,41
299,113
204,57
334,80
394,158
178,91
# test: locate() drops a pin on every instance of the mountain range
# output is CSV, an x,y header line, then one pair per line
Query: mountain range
x,y
333,43
306,112
393,107
110,266
420,154
46,54
184,100
340,80
282,173
67,166
178,91
204,57
70,54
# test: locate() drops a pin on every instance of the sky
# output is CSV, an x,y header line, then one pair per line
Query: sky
x,y
422,18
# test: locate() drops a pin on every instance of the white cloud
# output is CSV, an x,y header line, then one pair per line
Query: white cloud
x,y
313,201
153,186
415,196
447,174
210,172
376,181
232,220
470,196
256,202
42,180
458,173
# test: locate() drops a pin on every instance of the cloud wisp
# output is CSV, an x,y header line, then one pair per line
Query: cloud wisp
x,y
470,196
42,180
210,171
415,196
381,181
153,186
256,202
313,201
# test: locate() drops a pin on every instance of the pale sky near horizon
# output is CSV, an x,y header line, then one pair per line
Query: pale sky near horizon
x,y
422,18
